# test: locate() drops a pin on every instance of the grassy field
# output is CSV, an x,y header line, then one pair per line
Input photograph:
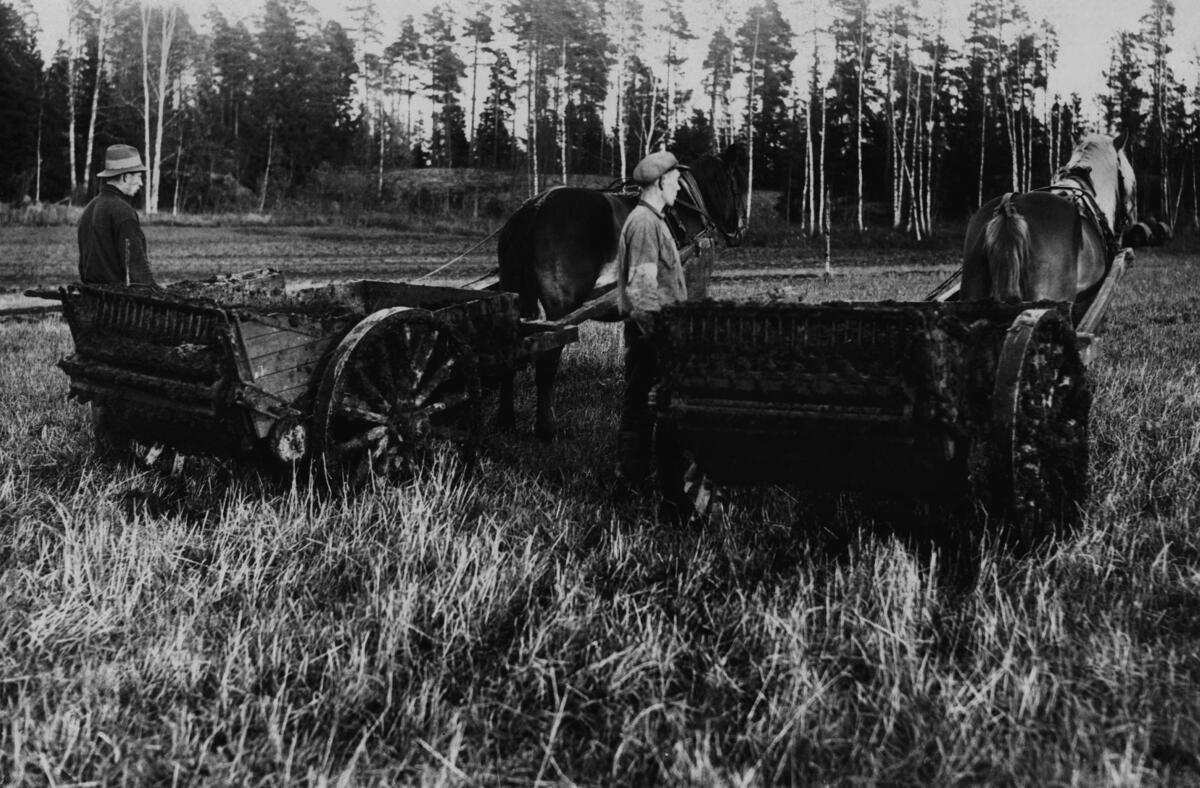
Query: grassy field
x,y
518,627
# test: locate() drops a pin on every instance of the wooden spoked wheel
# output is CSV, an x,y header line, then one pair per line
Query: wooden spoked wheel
x,y
1040,405
398,384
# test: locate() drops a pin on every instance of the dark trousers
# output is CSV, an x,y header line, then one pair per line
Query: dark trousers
x,y
641,373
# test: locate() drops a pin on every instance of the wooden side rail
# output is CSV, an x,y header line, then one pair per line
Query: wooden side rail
x,y
1092,319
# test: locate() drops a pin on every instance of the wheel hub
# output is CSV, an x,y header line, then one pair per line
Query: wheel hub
x,y
413,426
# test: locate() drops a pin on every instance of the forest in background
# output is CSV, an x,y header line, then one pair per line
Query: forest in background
x,y
895,122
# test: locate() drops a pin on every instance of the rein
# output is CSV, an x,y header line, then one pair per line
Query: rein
x,y
698,205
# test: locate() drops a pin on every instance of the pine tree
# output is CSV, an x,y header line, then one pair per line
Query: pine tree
x,y
493,141
764,43
477,28
718,80
20,102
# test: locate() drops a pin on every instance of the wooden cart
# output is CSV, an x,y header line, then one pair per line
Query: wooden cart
x,y
935,398
362,376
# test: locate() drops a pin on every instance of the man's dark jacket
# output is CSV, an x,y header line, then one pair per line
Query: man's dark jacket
x,y
112,248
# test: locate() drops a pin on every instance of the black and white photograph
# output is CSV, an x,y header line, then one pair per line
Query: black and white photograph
x,y
599,393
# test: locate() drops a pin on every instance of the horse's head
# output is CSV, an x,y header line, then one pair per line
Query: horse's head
x,y
1128,182
1099,165
722,200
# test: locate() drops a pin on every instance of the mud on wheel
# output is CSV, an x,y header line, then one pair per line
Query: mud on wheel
x,y
1041,405
400,383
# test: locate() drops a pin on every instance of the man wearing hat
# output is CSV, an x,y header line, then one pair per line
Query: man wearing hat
x,y
112,248
651,277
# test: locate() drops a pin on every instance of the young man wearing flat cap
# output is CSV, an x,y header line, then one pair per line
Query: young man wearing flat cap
x,y
651,277
112,248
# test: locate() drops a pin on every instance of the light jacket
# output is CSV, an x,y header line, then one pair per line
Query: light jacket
x,y
651,275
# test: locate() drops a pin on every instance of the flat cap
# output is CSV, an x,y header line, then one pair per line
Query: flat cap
x,y
654,166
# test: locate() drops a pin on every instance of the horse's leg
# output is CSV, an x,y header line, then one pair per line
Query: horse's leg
x,y
546,369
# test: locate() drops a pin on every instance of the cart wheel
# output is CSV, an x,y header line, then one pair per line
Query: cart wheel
x,y
687,492
400,382
1040,405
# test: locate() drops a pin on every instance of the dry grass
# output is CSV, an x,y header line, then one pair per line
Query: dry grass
x,y
517,626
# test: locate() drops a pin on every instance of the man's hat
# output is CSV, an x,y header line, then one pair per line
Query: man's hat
x,y
656,165
120,159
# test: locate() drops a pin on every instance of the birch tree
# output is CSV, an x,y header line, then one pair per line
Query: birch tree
x,y
851,40
103,13
168,16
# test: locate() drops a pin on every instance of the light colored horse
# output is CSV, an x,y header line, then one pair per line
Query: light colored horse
x,y
1056,242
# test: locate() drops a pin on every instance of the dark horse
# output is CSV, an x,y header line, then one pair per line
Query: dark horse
x,y
561,245
1057,242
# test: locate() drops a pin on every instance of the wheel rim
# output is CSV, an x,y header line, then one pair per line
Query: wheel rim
x,y
398,384
1042,402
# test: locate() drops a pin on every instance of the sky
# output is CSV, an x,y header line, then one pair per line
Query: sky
x,y
1085,27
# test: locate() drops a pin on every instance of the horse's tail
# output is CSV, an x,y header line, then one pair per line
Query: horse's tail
x,y
515,254
1006,247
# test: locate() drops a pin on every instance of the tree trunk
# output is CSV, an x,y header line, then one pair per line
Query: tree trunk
x,y
667,100
890,114
533,124
151,172
622,111
474,95
37,183
100,39
383,127
714,131
1195,196
983,123
262,200
72,35
916,220
750,117
823,216
168,36
858,119
562,109
932,129
178,180
809,170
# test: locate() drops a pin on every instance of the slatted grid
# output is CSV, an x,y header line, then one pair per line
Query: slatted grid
x,y
165,322
779,330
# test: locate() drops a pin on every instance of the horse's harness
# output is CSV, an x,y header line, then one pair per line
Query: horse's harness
x,y
1084,197
698,205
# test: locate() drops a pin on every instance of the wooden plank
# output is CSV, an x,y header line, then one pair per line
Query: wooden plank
x,y
542,341
698,271
602,302
288,358
277,340
597,307
287,384
1094,317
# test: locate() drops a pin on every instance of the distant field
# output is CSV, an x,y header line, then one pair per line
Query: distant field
x,y
519,626
49,255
